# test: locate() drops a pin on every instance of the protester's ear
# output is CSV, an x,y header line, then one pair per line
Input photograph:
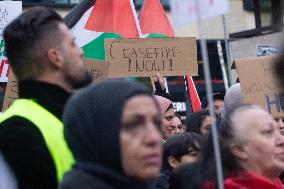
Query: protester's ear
x,y
55,57
173,162
238,151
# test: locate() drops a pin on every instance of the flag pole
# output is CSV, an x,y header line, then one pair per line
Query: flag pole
x,y
207,75
222,64
187,98
227,47
141,35
166,85
135,18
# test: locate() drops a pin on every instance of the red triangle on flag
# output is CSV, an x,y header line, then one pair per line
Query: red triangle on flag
x,y
154,20
192,93
112,16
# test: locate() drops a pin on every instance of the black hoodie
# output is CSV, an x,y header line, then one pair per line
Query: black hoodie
x,y
92,120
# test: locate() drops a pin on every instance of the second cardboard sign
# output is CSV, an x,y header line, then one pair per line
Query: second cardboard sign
x,y
259,85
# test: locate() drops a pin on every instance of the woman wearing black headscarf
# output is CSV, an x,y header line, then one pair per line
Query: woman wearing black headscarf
x,y
113,131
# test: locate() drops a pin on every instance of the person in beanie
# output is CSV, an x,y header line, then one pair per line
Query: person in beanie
x,y
113,131
232,99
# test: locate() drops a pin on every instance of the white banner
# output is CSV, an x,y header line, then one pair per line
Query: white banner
x,y
9,10
185,11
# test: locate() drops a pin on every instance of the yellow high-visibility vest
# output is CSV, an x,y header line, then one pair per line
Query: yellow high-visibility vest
x,y
51,129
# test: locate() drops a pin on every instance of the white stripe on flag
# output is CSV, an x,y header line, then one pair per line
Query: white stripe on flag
x,y
83,36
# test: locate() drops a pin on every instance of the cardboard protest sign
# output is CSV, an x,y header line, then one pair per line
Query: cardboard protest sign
x,y
259,85
11,92
145,57
98,69
9,10
185,11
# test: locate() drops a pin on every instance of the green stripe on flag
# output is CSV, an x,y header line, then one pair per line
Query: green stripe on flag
x,y
156,35
95,48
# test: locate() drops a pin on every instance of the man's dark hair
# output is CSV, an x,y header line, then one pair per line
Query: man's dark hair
x,y
28,37
178,145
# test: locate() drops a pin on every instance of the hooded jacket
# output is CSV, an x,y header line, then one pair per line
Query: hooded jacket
x,y
92,120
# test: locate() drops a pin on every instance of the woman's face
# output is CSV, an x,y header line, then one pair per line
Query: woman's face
x,y
262,150
205,125
176,126
280,122
166,123
140,138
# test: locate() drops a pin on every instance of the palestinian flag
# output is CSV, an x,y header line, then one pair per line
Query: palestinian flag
x,y
93,21
153,20
154,23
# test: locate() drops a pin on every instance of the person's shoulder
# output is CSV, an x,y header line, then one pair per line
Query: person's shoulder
x,y
18,127
161,182
76,178
18,133
25,150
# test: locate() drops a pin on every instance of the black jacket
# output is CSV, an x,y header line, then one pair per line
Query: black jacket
x,y
98,177
23,145
162,182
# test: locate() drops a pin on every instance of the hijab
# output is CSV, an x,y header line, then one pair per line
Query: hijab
x,y
92,121
164,103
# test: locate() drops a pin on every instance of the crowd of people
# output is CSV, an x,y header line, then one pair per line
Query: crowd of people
x,y
117,134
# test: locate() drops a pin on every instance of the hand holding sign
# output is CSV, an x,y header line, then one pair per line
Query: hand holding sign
x,y
158,78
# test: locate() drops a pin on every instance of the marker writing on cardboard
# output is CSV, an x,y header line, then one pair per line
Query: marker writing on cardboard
x,y
258,86
153,53
97,74
276,101
149,65
150,59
